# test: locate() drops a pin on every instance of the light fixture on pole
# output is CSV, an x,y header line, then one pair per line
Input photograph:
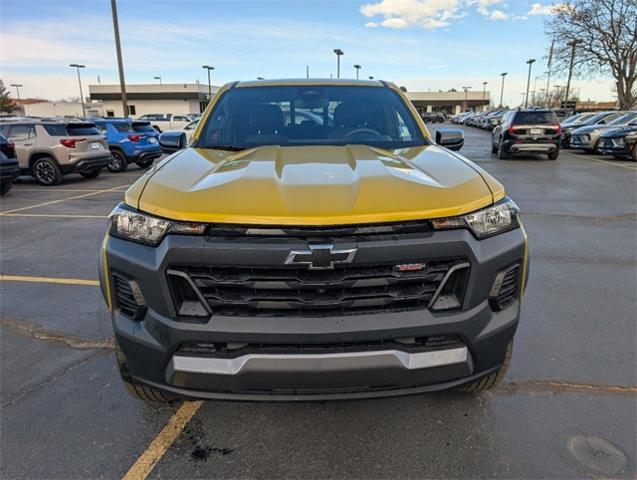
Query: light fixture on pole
x,y
17,86
209,67
502,88
260,78
530,62
357,67
338,53
120,63
371,77
79,81
484,93
466,94
157,78
571,44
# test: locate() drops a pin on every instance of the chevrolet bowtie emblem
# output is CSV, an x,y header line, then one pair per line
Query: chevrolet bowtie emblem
x,y
321,257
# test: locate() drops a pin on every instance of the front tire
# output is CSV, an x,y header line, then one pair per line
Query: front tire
x,y
118,163
137,390
145,163
494,147
46,171
492,380
5,187
634,154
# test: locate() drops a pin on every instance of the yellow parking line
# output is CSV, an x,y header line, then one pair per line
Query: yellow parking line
x,y
164,439
97,192
63,281
45,215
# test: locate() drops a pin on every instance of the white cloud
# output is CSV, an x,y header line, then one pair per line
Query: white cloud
x,y
539,9
429,14
498,15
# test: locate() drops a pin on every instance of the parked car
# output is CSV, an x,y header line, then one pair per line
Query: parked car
x,y
49,150
620,143
9,168
127,145
433,117
587,138
600,118
143,126
268,261
527,131
167,121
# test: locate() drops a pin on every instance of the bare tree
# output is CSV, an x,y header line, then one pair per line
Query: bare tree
x,y
604,33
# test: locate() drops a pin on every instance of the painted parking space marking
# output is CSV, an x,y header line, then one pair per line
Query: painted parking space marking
x,y
52,215
52,202
58,280
164,439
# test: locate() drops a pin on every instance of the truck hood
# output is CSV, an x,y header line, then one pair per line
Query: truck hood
x,y
333,185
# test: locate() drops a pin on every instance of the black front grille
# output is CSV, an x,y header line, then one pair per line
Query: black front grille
x,y
125,299
509,288
299,291
413,345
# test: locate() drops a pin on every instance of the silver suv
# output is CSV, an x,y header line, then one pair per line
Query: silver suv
x,y
49,150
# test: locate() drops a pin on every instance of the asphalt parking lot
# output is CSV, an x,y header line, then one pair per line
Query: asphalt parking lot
x,y
567,409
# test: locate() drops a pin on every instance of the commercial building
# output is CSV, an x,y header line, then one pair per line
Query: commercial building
x,y
43,108
449,102
176,98
180,98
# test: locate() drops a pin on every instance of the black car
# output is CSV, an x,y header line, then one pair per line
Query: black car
x,y
527,131
620,143
585,120
9,169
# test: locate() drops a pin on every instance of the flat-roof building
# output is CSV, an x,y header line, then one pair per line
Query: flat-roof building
x,y
176,98
449,102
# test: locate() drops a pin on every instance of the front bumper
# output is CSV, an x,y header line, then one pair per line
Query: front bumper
x,y
584,142
312,357
614,146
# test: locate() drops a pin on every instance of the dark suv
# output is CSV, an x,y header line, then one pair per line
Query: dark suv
x,y
527,131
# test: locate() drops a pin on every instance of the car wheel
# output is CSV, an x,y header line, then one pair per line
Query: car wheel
x,y
118,162
145,163
136,390
46,171
92,173
494,147
5,187
634,155
490,381
157,128
501,153
595,149
554,154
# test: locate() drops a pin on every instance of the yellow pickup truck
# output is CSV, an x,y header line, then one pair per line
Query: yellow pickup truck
x,y
313,241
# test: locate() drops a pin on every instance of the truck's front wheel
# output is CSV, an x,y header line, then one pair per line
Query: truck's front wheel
x,y
137,390
492,380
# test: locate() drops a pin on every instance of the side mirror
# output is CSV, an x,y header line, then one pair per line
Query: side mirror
x,y
451,138
172,141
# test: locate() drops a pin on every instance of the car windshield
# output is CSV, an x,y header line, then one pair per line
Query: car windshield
x,y
533,118
598,118
245,117
624,119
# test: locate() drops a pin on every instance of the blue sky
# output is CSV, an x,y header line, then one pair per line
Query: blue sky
x,y
421,44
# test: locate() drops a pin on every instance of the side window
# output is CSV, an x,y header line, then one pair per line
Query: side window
x,y
110,113
21,133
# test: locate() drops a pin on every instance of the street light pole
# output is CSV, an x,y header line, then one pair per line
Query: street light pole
x,y
157,78
120,63
466,94
571,44
79,81
338,53
209,67
17,88
502,88
530,62
357,67
484,93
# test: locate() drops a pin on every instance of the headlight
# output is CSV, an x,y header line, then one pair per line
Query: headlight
x,y
498,218
130,224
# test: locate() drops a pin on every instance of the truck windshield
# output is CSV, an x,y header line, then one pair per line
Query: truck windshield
x,y
246,117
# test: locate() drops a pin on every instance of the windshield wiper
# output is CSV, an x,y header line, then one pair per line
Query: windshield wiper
x,y
230,148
